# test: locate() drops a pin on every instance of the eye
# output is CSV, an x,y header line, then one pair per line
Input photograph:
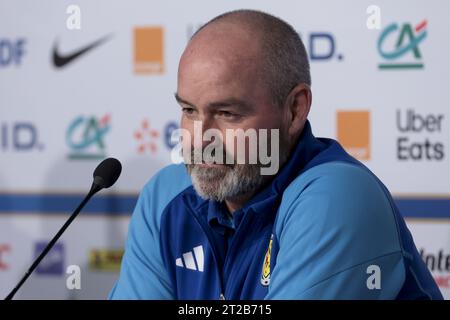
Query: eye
x,y
187,110
226,114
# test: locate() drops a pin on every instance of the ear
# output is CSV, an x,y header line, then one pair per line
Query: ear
x,y
298,104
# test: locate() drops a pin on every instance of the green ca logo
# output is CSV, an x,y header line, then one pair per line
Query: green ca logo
x,y
85,137
407,42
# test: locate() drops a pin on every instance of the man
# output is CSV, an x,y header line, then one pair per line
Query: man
x,y
322,227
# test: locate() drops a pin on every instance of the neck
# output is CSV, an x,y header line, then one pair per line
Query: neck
x,y
236,203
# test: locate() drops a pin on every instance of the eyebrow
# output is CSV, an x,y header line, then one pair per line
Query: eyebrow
x,y
230,102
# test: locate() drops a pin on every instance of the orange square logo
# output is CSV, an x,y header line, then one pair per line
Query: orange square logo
x,y
353,132
149,50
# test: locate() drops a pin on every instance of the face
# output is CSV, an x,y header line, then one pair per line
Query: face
x,y
220,87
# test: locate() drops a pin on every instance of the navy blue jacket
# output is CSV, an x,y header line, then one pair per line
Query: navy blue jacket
x,y
325,228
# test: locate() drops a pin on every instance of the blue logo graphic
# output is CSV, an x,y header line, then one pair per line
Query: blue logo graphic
x,y
168,129
53,263
85,137
11,52
322,47
19,136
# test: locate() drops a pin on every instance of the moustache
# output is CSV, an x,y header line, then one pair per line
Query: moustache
x,y
210,158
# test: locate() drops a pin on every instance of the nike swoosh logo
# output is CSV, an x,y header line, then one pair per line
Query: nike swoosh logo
x,y
60,60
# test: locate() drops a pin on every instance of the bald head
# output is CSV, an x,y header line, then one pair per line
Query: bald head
x,y
226,50
235,69
253,39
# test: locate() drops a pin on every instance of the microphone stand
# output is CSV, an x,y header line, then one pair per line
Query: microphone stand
x,y
94,189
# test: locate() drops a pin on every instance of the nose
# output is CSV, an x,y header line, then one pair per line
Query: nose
x,y
200,127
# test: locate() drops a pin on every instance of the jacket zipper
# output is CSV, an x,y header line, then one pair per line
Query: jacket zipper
x,y
219,272
236,238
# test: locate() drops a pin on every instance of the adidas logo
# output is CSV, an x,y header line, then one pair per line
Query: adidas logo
x,y
190,262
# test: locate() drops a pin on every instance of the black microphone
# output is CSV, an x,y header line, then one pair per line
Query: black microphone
x,y
105,175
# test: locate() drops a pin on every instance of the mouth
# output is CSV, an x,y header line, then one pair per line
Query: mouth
x,y
210,165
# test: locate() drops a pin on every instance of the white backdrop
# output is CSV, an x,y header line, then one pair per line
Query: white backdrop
x,y
116,99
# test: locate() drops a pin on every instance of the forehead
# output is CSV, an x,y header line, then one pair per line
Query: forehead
x,y
215,71
218,64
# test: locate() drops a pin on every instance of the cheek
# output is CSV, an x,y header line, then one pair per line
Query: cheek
x,y
186,142
192,133
229,149
268,117
187,125
270,121
275,121
187,133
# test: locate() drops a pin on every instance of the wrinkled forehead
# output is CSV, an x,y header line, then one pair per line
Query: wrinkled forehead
x,y
226,45
220,58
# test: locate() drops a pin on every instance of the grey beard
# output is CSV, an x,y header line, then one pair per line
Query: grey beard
x,y
226,182
230,181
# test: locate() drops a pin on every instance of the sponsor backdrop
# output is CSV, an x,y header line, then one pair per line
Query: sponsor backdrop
x,y
84,80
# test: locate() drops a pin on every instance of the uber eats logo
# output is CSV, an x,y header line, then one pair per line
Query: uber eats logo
x,y
420,137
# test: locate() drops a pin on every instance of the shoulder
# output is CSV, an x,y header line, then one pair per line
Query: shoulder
x,y
341,200
162,188
167,182
343,183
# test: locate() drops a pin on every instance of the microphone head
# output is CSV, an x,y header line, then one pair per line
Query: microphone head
x,y
107,173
